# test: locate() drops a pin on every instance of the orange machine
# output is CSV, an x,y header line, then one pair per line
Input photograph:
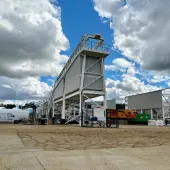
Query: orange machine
x,y
122,114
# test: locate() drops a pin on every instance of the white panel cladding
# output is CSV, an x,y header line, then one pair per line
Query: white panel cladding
x,y
93,79
72,77
93,82
96,68
145,101
58,92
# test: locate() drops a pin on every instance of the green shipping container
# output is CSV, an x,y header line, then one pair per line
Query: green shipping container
x,y
143,117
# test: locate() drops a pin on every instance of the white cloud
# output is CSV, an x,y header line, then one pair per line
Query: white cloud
x,y
6,86
106,8
131,70
135,85
25,89
168,84
120,64
141,30
157,79
31,39
129,85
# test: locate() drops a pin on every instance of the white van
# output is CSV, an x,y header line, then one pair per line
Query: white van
x,y
8,118
22,115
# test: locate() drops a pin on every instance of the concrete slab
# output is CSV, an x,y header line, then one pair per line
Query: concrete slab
x,y
19,161
10,141
117,159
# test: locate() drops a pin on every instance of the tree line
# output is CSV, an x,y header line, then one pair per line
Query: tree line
x,y
11,106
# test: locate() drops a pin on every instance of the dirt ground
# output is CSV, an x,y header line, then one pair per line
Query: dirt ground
x,y
60,138
35,147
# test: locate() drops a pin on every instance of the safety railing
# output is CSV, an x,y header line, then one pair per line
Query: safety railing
x,y
96,46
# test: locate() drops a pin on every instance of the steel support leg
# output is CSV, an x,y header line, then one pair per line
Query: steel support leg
x,y
63,109
163,113
105,105
81,109
151,113
53,110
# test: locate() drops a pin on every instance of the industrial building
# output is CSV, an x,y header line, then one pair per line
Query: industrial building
x,y
156,103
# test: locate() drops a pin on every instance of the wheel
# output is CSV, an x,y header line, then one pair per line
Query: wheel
x,y
16,121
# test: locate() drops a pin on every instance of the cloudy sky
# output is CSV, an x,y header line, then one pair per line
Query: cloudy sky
x,y
37,38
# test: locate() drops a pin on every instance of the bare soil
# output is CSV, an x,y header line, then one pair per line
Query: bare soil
x,y
76,138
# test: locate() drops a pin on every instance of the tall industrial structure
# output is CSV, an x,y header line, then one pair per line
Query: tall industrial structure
x,y
82,77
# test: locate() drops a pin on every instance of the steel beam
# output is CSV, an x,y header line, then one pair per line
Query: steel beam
x,y
92,101
72,94
93,92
